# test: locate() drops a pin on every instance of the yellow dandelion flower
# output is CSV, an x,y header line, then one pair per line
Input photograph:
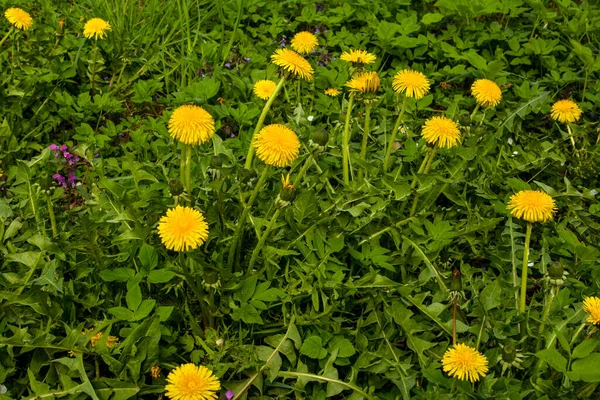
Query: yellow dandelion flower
x,y
364,82
277,145
18,18
465,363
264,89
532,206
591,305
441,131
411,83
111,341
304,42
183,228
286,183
358,56
333,92
96,338
487,93
191,382
565,111
191,125
96,28
293,63
155,371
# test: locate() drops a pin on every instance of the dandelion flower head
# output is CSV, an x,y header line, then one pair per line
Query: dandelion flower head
x,y
96,28
591,305
19,18
264,89
191,125
487,93
411,83
565,111
304,42
277,145
358,56
465,363
364,82
532,206
333,92
183,228
191,382
293,63
441,131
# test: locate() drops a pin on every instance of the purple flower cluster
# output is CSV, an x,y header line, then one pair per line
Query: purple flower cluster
x,y
229,394
71,160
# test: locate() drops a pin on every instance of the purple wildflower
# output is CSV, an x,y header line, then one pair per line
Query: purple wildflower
x,y
60,180
55,148
283,42
228,65
72,178
247,59
71,158
229,394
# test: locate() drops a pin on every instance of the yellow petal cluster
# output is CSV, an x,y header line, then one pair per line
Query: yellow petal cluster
x,y
19,18
487,93
333,92
591,305
264,89
465,363
183,228
532,206
191,382
358,56
364,82
293,63
191,125
565,111
411,83
304,42
277,145
96,28
441,131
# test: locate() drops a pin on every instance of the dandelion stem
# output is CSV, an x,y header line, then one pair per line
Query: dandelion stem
x,y
386,160
197,289
474,113
571,136
263,239
363,149
242,220
302,172
93,72
549,299
425,167
261,121
523,297
187,171
454,321
52,217
346,142
12,29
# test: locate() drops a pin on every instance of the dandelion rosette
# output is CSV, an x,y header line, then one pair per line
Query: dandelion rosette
x,y
411,83
294,63
465,363
183,228
532,206
19,18
565,111
591,305
332,92
277,145
364,82
96,28
441,131
191,125
191,382
304,42
487,93
264,89
358,56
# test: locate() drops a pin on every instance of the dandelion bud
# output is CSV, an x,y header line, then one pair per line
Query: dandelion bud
x,y
175,187
248,175
216,161
321,137
456,283
556,270
288,194
464,120
509,354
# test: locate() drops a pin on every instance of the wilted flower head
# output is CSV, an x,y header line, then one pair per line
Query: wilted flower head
x,y
183,228
18,18
191,382
441,131
565,111
294,63
263,89
487,93
465,363
277,145
411,83
155,371
358,56
191,125
96,28
532,206
304,42
364,82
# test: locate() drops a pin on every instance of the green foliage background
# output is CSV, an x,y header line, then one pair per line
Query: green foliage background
x,y
343,301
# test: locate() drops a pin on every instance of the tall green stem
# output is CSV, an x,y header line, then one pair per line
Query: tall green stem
x,y
571,136
307,164
549,300
424,170
346,142
261,121
474,113
263,238
197,289
94,60
363,148
188,173
182,160
523,298
12,29
240,225
388,153
52,217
